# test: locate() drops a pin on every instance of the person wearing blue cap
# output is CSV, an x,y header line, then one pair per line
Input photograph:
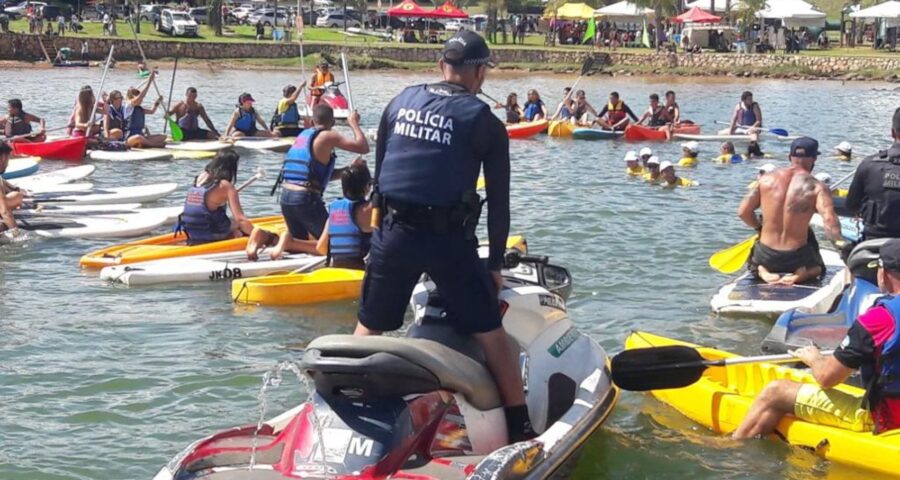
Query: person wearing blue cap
x,y
874,193
786,251
432,141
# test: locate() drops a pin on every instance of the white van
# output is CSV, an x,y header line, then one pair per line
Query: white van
x,y
176,23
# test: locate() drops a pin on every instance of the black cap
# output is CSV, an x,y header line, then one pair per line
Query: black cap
x,y
888,256
467,48
805,147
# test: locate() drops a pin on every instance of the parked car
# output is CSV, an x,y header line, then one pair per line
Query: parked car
x,y
200,15
460,24
17,11
150,13
177,23
267,17
50,12
241,13
337,20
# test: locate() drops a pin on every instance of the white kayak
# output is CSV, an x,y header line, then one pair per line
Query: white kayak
x,y
20,167
56,177
61,188
199,146
270,144
205,268
138,194
750,296
100,226
130,155
170,213
697,137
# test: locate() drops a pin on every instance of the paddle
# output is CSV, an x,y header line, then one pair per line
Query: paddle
x,y
177,134
259,175
774,131
90,124
585,68
347,80
674,366
481,92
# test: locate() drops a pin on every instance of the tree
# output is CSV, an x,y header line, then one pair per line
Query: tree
x,y
214,15
660,8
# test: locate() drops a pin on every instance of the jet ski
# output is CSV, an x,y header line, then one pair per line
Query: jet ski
x,y
795,329
334,98
425,406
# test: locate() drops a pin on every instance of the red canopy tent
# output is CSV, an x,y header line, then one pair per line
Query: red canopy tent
x,y
409,8
448,10
697,15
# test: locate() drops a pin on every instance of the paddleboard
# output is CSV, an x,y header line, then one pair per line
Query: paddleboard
x,y
105,226
199,146
134,155
138,194
21,167
183,154
270,144
750,296
712,138
595,134
65,187
111,209
56,177
204,268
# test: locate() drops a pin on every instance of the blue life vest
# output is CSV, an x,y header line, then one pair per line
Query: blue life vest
x,y
200,223
429,158
737,158
748,116
533,109
291,116
246,120
136,122
565,113
117,118
300,166
885,376
347,243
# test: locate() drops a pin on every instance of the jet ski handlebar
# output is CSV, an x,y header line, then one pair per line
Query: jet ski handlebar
x,y
514,257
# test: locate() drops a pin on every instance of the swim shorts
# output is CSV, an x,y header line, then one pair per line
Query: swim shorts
x,y
832,407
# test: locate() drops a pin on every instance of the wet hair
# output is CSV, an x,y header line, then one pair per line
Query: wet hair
x,y
746,95
323,114
753,150
512,99
15,103
288,90
614,94
5,149
670,92
896,121
223,166
654,97
729,147
191,90
355,179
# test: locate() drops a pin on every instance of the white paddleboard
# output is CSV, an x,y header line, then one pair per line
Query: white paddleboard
x,y
199,146
139,194
270,144
130,155
21,167
62,188
111,209
107,226
204,268
171,213
56,177
712,138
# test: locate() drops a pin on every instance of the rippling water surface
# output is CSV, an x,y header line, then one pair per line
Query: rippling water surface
x,y
100,382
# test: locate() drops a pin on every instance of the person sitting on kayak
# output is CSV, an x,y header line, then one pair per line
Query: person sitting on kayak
x,y
632,166
11,197
287,121
580,110
188,112
135,118
670,179
18,124
566,106
690,151
844,151
244,120
727,155
514,112
205,217
870,347
614,115
654,114
672,112
321,77
534,108
652,174
645,154
787,251
747,116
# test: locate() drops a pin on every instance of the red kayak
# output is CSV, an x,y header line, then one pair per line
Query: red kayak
x,y
526,129
71,149
640,133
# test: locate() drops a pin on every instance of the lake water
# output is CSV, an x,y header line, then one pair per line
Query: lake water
x,y
100,382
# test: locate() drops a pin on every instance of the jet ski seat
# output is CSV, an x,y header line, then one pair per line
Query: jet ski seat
x,y
357,367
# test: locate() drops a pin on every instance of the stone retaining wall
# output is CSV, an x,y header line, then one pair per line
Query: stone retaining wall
x,y
26,47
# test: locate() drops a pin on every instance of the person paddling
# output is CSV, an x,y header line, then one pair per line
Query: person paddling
x,y
288,120
135,118
566,106
870,347
747,116
580,110
615,114
188,113
244,120
653,117
513,111
114,124
81,123
205,217
787,251
18,124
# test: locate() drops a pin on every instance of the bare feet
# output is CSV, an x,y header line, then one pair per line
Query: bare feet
x,y
768,276
789,279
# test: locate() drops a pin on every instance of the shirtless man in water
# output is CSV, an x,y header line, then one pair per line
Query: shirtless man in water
x,y
787,251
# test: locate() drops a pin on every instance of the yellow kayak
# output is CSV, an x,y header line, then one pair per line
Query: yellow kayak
x,y
560,128
721,398
169,245
325,285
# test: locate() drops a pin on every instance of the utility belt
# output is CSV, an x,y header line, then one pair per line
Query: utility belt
x,y
462,217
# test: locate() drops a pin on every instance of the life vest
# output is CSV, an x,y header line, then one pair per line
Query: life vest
x,y
615,113
136,121
320,80
300,166
348,245
429,158
512,114
198,222
734,158
634,172
565,113
245,121
18,125
532,110
117,118
657,117
748,116
882,380
688,162
291,116
189,120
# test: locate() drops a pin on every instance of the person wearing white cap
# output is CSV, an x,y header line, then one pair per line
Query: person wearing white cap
x,y
645,154
764,169
652,174
690,150
826,179
633,168
670,179
844,151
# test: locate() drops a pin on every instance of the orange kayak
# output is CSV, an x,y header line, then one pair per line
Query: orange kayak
x,y
526,129
640,133
170,245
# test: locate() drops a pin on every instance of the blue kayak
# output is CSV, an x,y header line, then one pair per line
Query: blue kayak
x,y
20,167
595,134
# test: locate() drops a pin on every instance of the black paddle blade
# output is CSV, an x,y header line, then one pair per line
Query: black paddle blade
x,y
588,65
657,368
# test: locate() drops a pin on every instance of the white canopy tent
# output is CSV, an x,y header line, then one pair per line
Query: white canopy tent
x,y
624,12
794,13
890,11
719,6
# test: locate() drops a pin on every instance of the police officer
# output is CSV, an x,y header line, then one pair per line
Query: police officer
x,y
874,193
432,141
